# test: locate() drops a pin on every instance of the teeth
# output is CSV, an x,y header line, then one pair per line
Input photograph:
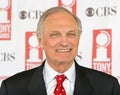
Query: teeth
x,y
63,50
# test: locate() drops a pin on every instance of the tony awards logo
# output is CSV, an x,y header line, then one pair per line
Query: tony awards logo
x,y
69,4
5,19
102,41
101,56
33,52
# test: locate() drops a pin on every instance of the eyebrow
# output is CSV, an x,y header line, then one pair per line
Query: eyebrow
x,y
67,31
72,31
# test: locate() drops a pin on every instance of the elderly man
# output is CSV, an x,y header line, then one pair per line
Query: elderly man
x,y
58,34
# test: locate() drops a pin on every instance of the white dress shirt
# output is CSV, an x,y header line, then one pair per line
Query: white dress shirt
x,y
50,81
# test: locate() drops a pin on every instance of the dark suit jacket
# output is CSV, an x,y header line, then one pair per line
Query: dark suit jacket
x,y
88,82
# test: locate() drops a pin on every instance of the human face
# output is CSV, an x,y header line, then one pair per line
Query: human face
x,y
60,38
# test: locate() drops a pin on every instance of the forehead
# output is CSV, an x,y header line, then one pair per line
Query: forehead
x,y
58,12
60,17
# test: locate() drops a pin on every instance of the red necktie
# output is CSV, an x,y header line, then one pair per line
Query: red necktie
x,y
59,89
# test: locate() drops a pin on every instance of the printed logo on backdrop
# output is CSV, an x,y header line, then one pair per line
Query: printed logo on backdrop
x,y
101,11
31,14
5,19
101,51
6,58
33,53
69,4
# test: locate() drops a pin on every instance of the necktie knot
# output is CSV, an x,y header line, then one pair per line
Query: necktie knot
x,y
60,79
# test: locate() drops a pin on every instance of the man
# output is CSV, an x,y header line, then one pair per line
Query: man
x,y
58,34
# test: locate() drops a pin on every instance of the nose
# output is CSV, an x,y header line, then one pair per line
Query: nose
x,y
64,41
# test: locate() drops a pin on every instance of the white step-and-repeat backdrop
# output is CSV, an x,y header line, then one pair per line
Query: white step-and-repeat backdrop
x,y
99,43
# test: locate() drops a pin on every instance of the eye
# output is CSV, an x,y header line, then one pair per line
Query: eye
x,y
71,34
54,34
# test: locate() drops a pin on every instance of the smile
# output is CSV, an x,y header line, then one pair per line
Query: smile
x,y
64,50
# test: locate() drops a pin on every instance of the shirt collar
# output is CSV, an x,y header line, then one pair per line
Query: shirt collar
x,y
49,73
70,73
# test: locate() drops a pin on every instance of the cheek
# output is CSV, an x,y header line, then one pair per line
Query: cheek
x,y
49,45
75,43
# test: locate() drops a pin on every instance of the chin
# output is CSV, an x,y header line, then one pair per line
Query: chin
x,y
63,60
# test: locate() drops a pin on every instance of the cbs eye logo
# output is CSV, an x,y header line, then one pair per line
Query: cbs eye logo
x,y
101,11
23,15
90,12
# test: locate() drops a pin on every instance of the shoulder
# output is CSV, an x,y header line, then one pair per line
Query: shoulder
x,y
96,76
24,76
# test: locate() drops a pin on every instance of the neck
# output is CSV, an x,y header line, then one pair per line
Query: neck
x,y
61,67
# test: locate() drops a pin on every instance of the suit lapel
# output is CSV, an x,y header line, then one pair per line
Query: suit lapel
x,y
37,85
82,84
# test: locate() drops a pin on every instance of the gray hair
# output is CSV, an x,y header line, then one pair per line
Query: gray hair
x,y
52,10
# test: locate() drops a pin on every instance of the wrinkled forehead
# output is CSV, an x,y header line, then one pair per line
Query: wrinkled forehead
x,y
59,12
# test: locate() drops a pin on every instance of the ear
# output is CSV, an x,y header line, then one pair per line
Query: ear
x,y
40,42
